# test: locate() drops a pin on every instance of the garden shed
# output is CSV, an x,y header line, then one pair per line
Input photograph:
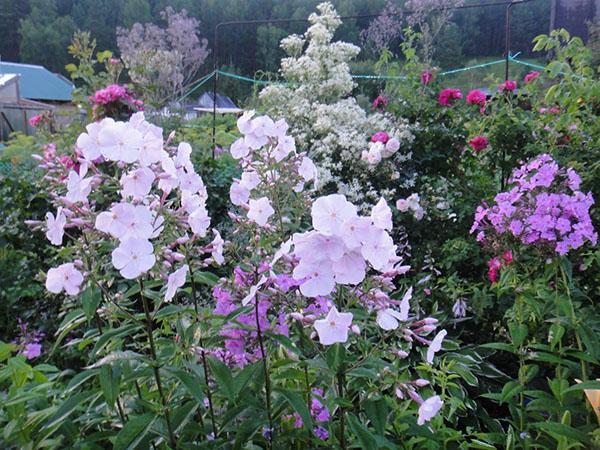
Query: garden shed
x,y
224,105
16,111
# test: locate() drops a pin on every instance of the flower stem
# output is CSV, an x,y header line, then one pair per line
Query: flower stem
x,y
265,365
155,368
202,353
341,411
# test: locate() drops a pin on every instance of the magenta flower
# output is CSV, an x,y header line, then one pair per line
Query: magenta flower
x,y
35,120
426,77
479,143
380,102
447,96
508,85
380,136
476,97
531,76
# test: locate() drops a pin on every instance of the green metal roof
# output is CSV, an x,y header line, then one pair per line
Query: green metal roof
x,y
38,83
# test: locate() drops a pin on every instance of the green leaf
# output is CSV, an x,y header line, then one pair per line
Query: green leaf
x,y
207,278
584,385
79,379
109,383
562,430
223,377
70,67
117,355
242,378
67,408
499,346
111,336
365,437
377,412
335,357
297,402
134,432
518,333
90,299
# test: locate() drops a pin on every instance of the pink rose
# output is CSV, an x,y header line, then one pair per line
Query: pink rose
x,y
476,97
426,77
35,120
447,96
380,136
479,143
531,76
508,85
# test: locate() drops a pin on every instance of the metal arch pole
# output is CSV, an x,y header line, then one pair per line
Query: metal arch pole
x,y
507,39
215,81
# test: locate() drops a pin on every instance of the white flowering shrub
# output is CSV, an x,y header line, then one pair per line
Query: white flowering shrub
x,y
316,100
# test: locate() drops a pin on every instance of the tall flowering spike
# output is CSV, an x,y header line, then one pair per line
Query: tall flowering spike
x,y
333,328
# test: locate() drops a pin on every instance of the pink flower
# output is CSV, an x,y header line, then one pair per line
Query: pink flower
x,y
137,183
429,409
330,212
392,146
380,102
238,194
380,136
64,277
217,248
426,77
133,257
285,145
508,85
476,97
175,281
447,96
239,149
317,278
260,211
35,120
436,345
78,187
333,328
119,141
479,143
55,226
507,257
531,76
199,221
381,215
307,169
32,350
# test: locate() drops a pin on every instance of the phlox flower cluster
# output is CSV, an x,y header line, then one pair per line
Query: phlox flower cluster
x,y
496,263
327,121
127,188
544,207
342,244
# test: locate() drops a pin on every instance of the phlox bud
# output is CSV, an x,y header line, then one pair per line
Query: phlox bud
x,y
399,393
182,240
177,256
355,329
401,354
297,316
421,382
78,263
413,395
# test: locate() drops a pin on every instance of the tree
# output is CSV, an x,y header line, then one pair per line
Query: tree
x,y
163,61
45,36
11,13
136,11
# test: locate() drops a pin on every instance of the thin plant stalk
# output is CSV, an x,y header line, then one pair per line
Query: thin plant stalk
x,y
265,365
203,354
155,368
